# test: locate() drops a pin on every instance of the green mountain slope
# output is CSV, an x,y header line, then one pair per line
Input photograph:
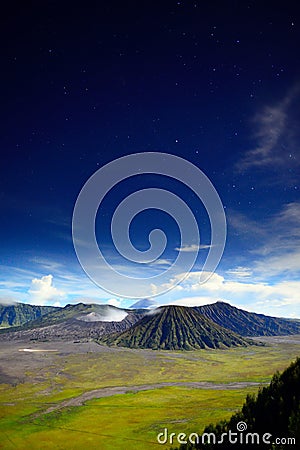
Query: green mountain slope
x,y
77,311
175,328
20,313
74,322
246,323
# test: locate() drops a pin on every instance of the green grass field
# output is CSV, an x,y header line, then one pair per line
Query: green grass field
x,y
131,420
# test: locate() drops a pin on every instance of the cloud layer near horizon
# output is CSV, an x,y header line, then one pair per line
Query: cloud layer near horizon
x,y
264,277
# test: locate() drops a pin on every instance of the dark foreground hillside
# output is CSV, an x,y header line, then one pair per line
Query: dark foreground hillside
x,y
275,410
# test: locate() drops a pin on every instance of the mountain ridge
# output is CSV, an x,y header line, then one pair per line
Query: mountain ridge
x,y
248,323
79,321
94,321
20,313
175,328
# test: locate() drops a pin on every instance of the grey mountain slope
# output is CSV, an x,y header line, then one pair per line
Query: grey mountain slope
x,y
74,322
246,323
175,328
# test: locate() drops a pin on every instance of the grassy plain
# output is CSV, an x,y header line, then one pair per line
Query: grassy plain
x,y
32,382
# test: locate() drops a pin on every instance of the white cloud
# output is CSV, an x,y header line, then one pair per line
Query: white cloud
x,y
275,135
192,248
115,302
153,289
240,272
109,315
282,231
256,296
243,225
114,315
280,252
42,290
276,242
284,264
57,304
47,264
11,284
193,301
7,301
161,262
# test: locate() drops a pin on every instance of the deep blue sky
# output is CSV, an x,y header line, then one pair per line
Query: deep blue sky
x,y
217,84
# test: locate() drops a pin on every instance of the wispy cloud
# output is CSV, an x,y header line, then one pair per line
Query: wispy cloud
x,y
7,301
47,264
279,253
284,265
276,242
192,248
240,272
279,231
275,135
239,223
161,262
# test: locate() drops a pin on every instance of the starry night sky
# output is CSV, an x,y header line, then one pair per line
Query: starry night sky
x,y
217,83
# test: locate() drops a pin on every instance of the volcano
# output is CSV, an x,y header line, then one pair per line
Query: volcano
x,y
175,328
